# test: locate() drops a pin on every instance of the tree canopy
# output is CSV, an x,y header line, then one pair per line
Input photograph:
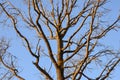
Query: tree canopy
x,y
65,35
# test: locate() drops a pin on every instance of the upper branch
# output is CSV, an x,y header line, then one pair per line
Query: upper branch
x,y
44,36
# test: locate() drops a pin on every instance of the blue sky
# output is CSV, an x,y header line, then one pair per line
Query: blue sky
x,y
28,71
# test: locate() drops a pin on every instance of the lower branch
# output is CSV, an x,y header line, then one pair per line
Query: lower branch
x,y
48,77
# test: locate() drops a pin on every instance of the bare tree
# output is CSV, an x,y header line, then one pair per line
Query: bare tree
x,y
68,33
7,63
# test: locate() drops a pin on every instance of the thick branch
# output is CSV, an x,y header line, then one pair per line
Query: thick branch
x,y
45,39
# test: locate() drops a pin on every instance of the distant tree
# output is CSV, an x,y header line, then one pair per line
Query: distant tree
x,y
8,69
67,32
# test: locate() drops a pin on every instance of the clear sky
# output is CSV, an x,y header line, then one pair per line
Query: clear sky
x,y
27,69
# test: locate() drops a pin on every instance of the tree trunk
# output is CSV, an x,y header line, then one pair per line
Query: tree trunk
x,y
60,74
60,68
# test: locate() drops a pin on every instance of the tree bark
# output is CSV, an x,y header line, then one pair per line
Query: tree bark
x,y
60,68
60,74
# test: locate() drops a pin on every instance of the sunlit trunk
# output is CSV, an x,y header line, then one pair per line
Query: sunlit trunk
x,y
60,74
60,68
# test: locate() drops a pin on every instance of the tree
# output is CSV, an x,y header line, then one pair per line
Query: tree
x,y
8,61
68,34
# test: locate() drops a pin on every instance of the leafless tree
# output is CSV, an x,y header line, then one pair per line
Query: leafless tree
x,y
68,33
7,63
